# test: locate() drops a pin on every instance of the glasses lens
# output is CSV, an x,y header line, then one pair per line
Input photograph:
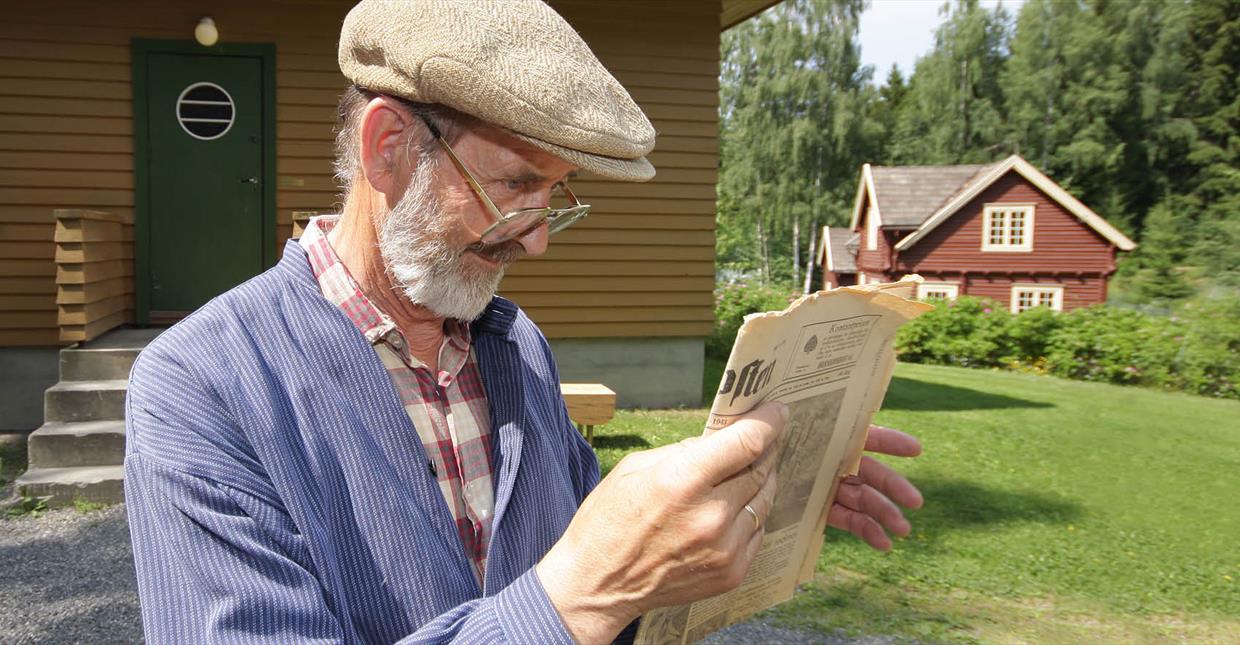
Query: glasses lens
x,y
562,219
514,225
561,213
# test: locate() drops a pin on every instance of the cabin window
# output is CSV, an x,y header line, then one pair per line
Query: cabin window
x,y
1007,228
938,291
205,111
1028,296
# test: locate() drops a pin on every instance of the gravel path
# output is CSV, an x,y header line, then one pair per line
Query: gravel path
x,y
68,577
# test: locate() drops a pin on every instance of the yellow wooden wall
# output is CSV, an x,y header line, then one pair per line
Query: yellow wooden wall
x,y
641,265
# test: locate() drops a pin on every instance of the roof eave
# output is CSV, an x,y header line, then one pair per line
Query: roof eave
x,y
734,12
1038,179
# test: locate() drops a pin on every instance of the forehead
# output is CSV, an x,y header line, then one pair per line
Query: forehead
x,y
494,149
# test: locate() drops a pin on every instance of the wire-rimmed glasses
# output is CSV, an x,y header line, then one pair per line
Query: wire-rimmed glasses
x,y
519,222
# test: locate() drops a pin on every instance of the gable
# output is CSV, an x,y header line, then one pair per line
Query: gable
x,y
1060,241
909,195
990,174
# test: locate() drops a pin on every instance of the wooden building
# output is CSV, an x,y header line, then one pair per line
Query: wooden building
x,y
1004,231
142,173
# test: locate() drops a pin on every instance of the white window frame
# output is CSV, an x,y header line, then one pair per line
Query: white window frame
x,y
1006,245
950,290
1037,290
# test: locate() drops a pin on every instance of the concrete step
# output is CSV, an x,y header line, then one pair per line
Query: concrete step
x,y
96,364
85,401
108,357
63,485
82,443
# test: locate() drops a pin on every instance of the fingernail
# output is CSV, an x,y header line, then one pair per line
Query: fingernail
x,y
783,411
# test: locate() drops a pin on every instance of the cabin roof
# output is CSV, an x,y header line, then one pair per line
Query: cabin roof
x,y
908,195
835,253
922,197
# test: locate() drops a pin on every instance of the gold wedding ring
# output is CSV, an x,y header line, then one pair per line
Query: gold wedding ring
x,y
757,524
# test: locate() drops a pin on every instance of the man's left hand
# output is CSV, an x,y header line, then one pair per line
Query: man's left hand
x,y
865,504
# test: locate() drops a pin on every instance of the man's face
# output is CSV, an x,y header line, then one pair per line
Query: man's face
x,y
427,240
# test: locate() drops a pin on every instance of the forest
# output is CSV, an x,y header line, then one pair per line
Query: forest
x,y
1131,105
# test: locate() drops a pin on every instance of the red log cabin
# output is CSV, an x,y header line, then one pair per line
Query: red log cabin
x,y
1003,231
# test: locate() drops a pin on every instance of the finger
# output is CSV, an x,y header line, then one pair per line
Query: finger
x,y
860,525
890,441
746,551
890,483
744,482
761,504
854,495
722,454
643,459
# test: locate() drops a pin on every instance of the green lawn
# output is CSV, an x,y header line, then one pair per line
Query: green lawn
x,y
1055,511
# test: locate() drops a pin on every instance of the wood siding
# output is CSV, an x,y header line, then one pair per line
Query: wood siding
x,y
94,276
642,264
879,259
1077,291
1062,244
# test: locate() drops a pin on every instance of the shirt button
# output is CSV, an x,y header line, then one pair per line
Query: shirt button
x,y
396,341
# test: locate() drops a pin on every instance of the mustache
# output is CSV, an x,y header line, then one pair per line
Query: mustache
x,y
502,253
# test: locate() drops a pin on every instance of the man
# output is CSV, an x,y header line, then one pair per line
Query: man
x,y
364,445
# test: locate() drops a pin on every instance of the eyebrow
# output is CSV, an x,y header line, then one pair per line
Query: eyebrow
x,y
529,176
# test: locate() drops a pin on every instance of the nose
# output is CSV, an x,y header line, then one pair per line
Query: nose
x,y
534,241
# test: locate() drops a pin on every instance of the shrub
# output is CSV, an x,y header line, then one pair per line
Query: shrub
x,y
1197,350
1028,337
1112,345
735,301
1208,360
970,332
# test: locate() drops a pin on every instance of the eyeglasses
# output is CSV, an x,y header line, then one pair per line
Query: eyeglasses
x,y
519,222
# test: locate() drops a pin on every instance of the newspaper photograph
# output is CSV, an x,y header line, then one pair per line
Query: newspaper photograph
x,y
829,358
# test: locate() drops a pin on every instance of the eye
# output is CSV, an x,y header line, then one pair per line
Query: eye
x,y
514,184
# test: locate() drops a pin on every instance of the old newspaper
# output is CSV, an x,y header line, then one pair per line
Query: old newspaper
x,y
829,357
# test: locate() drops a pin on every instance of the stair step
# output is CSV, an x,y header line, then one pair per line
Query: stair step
x,y
63,485
85,401
82,443
96,364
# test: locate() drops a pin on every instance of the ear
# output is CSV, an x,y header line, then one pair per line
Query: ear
x,y
385,128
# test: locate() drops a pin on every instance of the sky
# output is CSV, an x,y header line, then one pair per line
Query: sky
x,y
898,31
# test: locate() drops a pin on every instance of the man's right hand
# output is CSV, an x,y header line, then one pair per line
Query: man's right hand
x,y
667,526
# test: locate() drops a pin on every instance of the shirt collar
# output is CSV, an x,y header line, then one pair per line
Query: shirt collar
x,y
339,287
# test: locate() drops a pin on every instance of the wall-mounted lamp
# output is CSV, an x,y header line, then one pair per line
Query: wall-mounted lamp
x,y
205,33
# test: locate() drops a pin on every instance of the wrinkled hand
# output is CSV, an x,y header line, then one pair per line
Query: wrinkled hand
x,y
865,504
667,526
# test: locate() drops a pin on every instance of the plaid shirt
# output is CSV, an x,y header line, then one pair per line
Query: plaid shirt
x,y
449,409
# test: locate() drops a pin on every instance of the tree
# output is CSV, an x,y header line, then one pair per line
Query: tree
x,y
953,112
795,109
1214,108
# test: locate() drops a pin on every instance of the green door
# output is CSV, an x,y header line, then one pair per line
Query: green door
x,y
204,163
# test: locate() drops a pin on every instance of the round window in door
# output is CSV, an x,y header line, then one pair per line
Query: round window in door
x,y
205,111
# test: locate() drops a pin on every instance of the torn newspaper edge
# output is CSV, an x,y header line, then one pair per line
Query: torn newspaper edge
x,y
829,357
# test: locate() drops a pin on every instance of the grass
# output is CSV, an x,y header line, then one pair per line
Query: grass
x,y
1056,511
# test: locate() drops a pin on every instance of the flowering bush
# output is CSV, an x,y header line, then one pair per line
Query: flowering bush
x,y
969,332
733,302
1197,350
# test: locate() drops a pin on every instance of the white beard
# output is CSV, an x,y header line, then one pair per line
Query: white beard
x,y
413,242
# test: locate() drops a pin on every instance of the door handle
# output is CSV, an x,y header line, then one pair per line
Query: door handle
x,y
251,180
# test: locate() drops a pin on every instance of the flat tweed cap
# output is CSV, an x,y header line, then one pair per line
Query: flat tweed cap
x,y
513,63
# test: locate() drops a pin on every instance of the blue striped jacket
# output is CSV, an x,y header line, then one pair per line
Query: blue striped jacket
x,y
277,491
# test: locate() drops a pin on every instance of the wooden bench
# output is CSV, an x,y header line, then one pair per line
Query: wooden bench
x,y
589,404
